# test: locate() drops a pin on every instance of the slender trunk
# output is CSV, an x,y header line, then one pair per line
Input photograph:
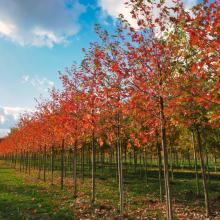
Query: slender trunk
x,y
207,164
177,159
120,168
215,162
44,163
62,165
26,162
102,161
29,163
74,171
111,156
39,164
140,165
116,163
82,163
15,159
65,165
196,167
165,156
160,170
93,168
189,161
171,160
130,160
135,161
34,161
125,152
151,161
146,166
52,164
23,161
203,170
20,161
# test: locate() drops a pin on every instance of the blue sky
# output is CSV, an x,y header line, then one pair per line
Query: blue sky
x,y
20,58
40,38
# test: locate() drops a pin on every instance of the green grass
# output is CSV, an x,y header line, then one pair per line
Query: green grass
x,y
26,197
27,200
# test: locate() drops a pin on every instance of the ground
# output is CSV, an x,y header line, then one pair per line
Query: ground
x,y
26,197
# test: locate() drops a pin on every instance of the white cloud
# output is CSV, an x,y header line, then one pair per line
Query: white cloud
x,y
9,117
2,119
113,7
14,111
49,38
116,7
6,28
39,23
4,132
41,84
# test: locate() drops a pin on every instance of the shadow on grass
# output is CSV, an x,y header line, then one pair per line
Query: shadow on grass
x,y
19,200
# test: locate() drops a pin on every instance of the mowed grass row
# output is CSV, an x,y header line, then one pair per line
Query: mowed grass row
x,y
26,197
21,198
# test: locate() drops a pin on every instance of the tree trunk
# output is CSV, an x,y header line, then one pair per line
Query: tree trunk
x,y
15,159
82,163
207,164
146,166
140,165
165,156
196,167
52,164
39,164
102,161
62,165
189,161
160,170
45,159
93,168
74,171
120,174
171,160
215,162
135,161
125,153
26,162
29,163
20,161
203,170
116,163
34,160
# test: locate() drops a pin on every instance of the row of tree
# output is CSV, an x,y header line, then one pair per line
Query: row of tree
x,y
141,87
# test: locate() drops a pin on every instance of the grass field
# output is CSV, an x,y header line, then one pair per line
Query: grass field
x,y
26,197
